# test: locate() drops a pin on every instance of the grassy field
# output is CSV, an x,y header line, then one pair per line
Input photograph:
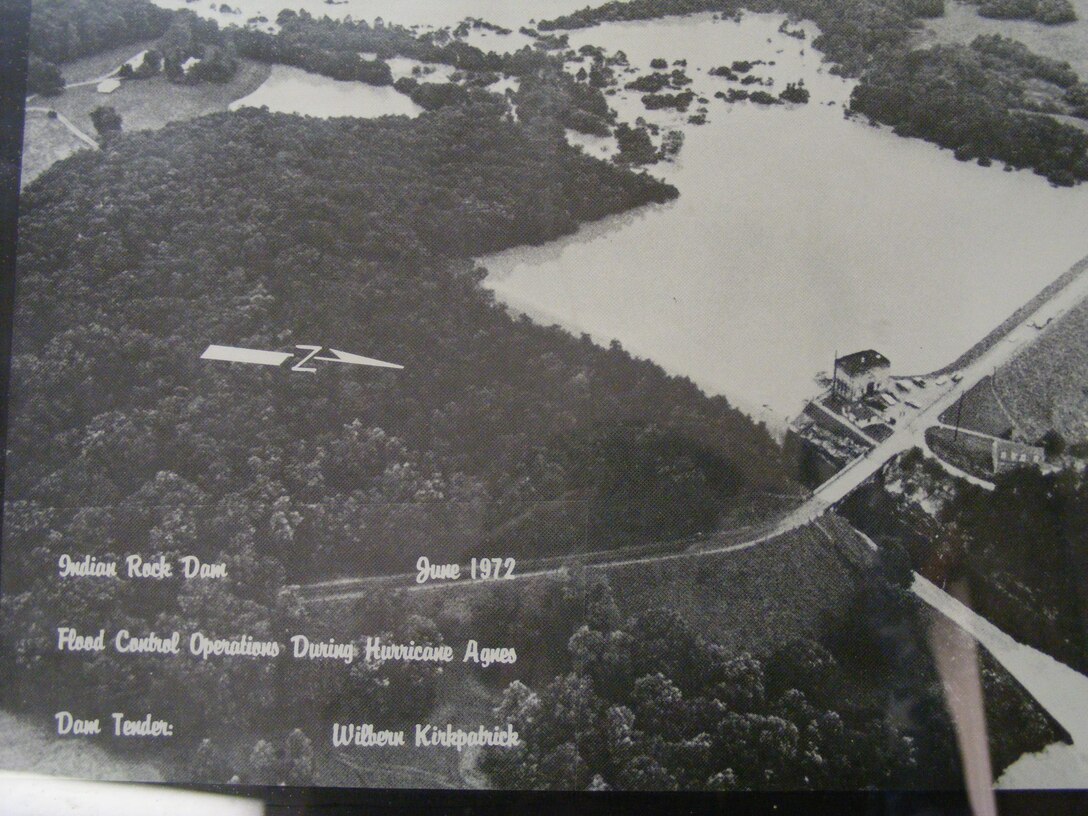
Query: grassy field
x,y
961,23
969,453
45,141
982,411
1046,386
146,104
100,64
32,749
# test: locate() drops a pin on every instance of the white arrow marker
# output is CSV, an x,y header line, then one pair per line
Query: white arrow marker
x,y
233,354
355,359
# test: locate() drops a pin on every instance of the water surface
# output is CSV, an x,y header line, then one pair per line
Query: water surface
x,y
798,233
292,90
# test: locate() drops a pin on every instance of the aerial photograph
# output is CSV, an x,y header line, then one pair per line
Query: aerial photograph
x,y
656,395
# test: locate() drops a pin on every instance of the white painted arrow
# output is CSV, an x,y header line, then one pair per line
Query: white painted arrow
x,y
355,359
233,354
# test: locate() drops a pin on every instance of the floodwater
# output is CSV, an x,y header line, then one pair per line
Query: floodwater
x,y
402,67
798,233
292,90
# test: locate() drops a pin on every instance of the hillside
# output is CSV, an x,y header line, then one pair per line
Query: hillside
x,y
1039,391
358,254
1043,388
264,231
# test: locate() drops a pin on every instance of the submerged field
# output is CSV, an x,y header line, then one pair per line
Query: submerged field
x,y
797,233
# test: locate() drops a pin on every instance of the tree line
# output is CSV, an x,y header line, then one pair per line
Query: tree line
x,y
266,230
648,703
977,101
1022,550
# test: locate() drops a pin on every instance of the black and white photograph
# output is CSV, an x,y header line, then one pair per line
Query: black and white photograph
x,y
526,395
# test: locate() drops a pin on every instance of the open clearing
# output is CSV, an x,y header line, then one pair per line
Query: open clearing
x,y
45,142
144,104
1069,42
1046,386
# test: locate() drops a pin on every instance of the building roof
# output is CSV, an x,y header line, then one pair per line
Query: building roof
x,y
861,361
1017,447
136,61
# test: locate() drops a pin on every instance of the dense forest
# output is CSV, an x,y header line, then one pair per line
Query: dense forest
x,y
471,408
65,30
1023,550
265,230
650,704
980,101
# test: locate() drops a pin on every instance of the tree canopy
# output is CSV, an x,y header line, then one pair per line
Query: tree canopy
x,y
267,230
